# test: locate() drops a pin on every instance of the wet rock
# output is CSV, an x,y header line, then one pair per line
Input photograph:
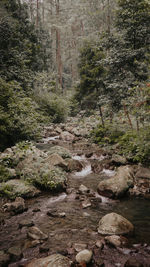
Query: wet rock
x,y
15,252
36,233
86,203
83,189
114,224
100,244
117,186
66,136
115,240
4,258
133,262
56,260
56,214
56,160
74,165
18,188
26,222
79,246
84,256
16,207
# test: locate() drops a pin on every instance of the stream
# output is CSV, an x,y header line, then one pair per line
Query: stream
x,y
68,223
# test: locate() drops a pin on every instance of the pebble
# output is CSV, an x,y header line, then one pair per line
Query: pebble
x,y
84,256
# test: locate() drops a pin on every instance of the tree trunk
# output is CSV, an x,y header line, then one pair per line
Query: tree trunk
x,y
128,117
37,13
101,115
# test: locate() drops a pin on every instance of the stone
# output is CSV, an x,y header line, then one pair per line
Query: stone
x,y
74,165
84,256
79,246
114,224
17,206
86,203
100,244
119,160
15,251
83,189
113,240
143,173
56,214
4,258
20,188
63,152
56,160
55,260
25,222
66,136
35,233
118,185
133,262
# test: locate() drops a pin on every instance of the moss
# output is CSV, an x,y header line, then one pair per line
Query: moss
x,y
4,174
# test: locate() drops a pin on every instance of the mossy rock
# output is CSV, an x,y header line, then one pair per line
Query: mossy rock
x,y
18,188
61,151
53,180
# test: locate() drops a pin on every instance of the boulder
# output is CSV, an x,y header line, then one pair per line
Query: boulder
x,y
118,185
17,206
114,224
84,256
20,188
143,173
63,152
66,136
83,189
119,160
35,233
56,160
55,260
74,165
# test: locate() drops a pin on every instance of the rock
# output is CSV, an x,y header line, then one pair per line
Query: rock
x,y
56,214
118,185
83,189
18,206
100,244
26,222
55,260
4,258
119,160
56,160
58,130
31,244
114,224
15,251
20,188
86,203
74,165
115,240
36,233
79,247
63,152
133,262
84,256
143,173
66,136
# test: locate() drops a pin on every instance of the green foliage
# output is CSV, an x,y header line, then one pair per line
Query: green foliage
x,y
19,115
53,106
4,174
106,135
136,146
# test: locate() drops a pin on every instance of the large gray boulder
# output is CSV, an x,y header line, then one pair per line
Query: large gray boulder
x,y
114,224
118,185
66,136
55,260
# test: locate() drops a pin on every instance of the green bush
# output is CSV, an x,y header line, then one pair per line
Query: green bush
x,y
19,115
54,106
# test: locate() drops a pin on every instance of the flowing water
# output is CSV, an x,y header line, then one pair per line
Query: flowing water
x,y
77,224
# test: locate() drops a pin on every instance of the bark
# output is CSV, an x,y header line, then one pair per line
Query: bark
x,y
101,115
128,116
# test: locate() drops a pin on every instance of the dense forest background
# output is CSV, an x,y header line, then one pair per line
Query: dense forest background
x,y
59,57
